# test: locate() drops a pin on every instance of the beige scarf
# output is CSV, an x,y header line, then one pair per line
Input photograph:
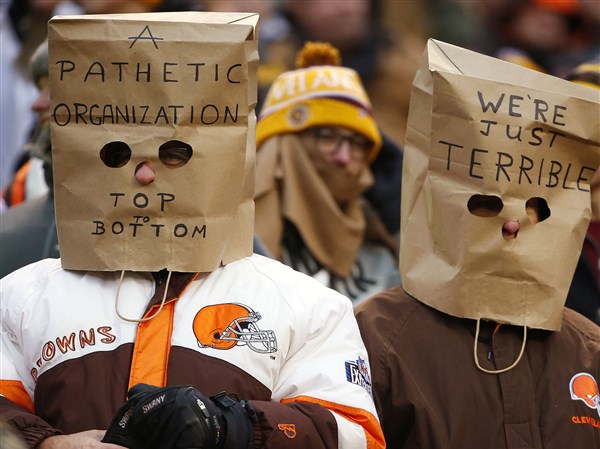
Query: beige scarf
x,y
296,183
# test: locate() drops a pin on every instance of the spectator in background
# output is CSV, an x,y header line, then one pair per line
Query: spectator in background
x,y
23,28
315,139
30,180
584,295
556,35
385,62
28,230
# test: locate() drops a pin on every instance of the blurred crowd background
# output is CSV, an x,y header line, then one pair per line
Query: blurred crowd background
x,y
382,40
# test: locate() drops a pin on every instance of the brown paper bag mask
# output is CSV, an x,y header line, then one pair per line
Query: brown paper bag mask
x,y
481,130
177,91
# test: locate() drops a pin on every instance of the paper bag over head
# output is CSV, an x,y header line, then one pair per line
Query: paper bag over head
x,y
485,131
174,91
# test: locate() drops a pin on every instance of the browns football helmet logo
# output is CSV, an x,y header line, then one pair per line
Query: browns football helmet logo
x,y
224,326
584,387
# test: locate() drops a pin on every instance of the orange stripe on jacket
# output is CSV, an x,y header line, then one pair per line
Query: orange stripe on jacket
x,y
153,346
363,418
15,392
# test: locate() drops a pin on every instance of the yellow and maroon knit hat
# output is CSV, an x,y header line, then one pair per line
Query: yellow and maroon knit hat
x,y
318,93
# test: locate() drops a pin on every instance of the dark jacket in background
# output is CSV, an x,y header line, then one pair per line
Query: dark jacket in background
x,y
27,234
584,294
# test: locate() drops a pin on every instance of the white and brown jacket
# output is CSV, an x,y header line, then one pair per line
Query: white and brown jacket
x,y
293,349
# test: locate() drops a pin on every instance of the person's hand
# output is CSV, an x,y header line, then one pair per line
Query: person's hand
x,y
179,417
90,439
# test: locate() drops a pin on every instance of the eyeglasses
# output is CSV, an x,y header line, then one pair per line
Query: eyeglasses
x,y
329,141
